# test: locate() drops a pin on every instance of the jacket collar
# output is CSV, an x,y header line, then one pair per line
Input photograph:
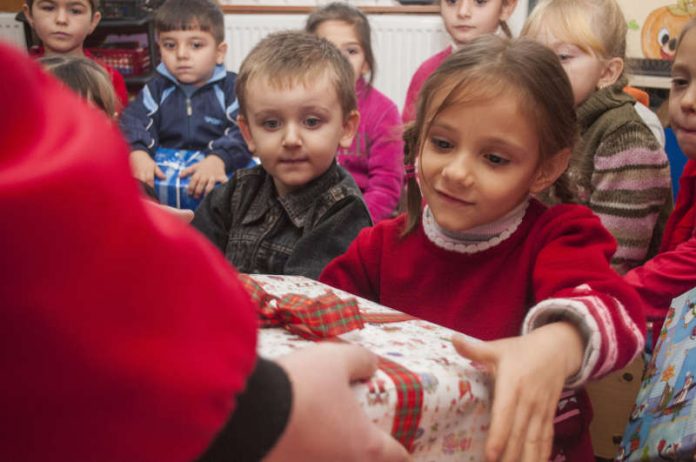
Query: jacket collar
x,y
603,100
295,204
218,74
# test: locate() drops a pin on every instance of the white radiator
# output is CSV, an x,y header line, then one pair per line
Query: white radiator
x,y
400,43
11,31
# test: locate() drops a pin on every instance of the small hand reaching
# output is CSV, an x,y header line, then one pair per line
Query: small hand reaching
x,y
530,372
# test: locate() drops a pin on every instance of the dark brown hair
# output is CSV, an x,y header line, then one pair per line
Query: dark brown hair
x,y
204,15
349,14
494,67
287,58
93,3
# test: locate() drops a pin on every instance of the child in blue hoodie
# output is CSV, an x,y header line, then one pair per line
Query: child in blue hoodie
x,y
190,103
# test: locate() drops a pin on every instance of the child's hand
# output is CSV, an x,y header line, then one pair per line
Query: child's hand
x,y
206,173
144,167
529,373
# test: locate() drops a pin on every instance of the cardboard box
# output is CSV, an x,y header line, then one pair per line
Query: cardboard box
x,y
436,403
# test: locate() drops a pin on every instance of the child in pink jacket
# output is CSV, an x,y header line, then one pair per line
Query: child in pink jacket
x,y
375,159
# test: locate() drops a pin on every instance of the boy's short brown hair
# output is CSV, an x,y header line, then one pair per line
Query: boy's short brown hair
x,y
297,57
204,15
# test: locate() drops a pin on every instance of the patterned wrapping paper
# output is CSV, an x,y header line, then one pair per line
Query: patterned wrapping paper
x,y
662,424
172,190
444,401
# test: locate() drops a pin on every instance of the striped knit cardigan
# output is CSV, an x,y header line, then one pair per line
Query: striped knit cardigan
x,y
622,173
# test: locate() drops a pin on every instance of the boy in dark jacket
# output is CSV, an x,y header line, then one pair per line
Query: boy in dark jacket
x,y
298,209
190,104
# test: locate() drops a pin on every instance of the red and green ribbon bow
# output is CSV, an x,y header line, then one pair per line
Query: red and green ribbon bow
x,y
327,316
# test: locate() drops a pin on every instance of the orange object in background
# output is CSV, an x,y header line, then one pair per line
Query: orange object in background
x,y
639,95
11,5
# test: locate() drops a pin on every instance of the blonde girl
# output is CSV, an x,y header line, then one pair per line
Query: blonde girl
x,y
375,159
494,126
621,170
464,20
85,77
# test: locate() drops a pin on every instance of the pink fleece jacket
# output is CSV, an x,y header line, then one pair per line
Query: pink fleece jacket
x,y
375,159
417,81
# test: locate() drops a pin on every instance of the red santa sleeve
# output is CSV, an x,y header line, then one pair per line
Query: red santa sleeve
x,y
124,335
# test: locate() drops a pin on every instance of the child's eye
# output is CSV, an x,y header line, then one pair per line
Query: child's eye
x,y
270,124
353,51
196,45
496,159
451,2
168,45
679,82
440,144
46,7
564,57
312,122
481,2
77,11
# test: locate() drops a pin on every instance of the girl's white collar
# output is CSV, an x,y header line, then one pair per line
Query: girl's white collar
x,y
476,239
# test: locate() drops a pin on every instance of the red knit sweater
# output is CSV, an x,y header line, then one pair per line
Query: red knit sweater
x,y
559,253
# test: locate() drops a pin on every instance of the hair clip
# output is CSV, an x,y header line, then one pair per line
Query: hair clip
x,y
410,171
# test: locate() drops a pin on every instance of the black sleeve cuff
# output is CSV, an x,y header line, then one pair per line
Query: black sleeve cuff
x,y
260,417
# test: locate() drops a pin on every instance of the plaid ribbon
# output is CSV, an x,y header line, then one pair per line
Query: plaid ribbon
x,y
328,316
311,318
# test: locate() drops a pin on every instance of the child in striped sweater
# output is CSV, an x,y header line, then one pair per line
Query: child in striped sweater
x,y
620,169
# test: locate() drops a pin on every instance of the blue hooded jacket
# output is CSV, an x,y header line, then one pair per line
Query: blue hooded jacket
x,y
164,115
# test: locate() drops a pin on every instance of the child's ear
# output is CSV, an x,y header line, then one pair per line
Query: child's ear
x,y
611,73
220,53
27,14
507,9
350,128
96,17
246,133
549,171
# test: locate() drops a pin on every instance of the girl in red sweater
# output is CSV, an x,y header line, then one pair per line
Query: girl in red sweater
x,y
495,125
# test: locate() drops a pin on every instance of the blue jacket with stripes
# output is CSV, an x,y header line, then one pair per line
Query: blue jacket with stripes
x,y
164,115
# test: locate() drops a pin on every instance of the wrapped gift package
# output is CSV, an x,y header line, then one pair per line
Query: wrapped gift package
x,y
435,402
662,424
172,190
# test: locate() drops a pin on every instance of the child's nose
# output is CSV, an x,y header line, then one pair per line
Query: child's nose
x,y
459,171
464,8
61,16
291,136
182,52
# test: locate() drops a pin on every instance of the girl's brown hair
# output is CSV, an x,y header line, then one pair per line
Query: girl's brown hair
x,y
87,78
493,67
349,14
